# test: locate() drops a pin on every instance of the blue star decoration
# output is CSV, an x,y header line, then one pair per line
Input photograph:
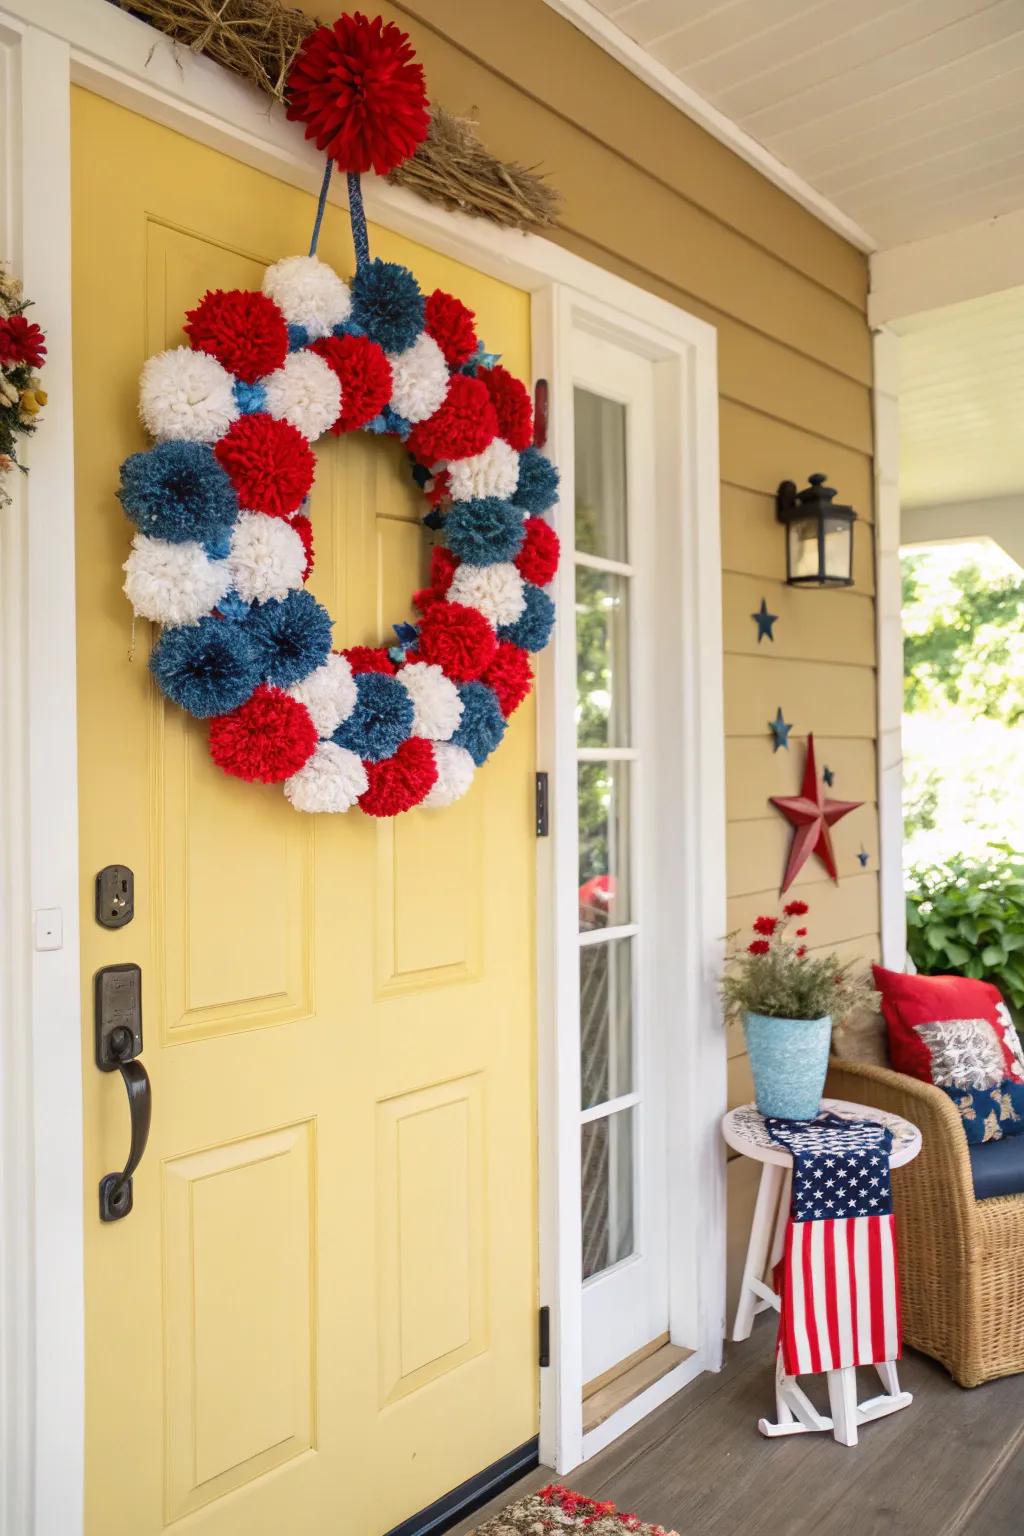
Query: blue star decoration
x,y
863,857
764,621
829,776
780,729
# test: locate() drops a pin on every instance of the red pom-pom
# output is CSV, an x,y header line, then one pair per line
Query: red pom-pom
x,y
402,781
244,331
537,561
452,326
270,463
369,658
268,738
304,528
458,639
512,404
510,675
360,94
21,341
462,425
365,375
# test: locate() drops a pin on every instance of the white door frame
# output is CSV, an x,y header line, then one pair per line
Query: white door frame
x,y
44,49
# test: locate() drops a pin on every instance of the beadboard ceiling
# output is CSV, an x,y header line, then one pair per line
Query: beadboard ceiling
x,y
906,114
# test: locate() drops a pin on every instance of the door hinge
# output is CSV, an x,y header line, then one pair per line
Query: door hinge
x,y
544,1331
541,804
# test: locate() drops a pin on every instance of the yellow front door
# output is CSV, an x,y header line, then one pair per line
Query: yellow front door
x,y
321,1313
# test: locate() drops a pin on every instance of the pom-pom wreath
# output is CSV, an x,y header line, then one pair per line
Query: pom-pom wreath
x,y
187,396
268,739
208,668
387,304
464,425
436,705
381,720
270,463
483,532
455,770
332,780
290,637
361,95
243,330
178,491
304,528
419,379
173,583
452,326
443,565
365,375
459,639
267,558
309,294
537,561
532,630
482,725
496,591
537,490
402,781
329,694
512,405
510,675
495,472
306,392
369,658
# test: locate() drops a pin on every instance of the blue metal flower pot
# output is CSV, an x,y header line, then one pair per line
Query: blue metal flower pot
x,y
789,1060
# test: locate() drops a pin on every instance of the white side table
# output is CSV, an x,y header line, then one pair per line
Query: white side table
x,y
745,1131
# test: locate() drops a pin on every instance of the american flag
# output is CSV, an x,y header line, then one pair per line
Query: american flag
x,y
838,1278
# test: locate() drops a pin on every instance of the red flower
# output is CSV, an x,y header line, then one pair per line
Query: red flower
x,y
304,528
801,951
801,933
452,326
510,675
365,375
758,947
268,738
537,561
458,639
400,782
369,658
244,331
21,341
512,404
463,424
796,908
362,98
766,925
270,463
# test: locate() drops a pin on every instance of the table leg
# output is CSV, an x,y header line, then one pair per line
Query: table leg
x,y
762,1233
842,1402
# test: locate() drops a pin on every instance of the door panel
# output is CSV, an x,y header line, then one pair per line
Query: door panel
x,y
321,1314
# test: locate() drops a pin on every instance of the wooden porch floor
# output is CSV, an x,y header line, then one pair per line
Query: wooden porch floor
x,y
951,1463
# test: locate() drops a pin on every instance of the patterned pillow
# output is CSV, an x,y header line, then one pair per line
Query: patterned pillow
x,y
989,1114
924,1015
964,1053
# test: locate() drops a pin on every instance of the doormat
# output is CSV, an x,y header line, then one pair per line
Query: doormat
x,y
556,1509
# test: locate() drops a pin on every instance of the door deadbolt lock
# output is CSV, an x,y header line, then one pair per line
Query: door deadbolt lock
x,y
115,896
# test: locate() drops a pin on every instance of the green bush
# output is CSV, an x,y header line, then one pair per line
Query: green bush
x,y
966,917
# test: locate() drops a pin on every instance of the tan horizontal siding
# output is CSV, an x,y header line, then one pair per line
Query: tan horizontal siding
x,y
819,696
829,625
756,852
751,776
759,451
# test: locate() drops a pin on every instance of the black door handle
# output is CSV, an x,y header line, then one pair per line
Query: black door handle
x,y
116,1193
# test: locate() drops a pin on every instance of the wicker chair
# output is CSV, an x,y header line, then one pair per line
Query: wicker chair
x,y
961,1259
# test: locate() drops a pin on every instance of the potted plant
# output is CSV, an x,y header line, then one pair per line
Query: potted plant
x,y
787,998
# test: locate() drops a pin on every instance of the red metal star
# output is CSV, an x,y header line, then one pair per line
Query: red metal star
x,y
811,814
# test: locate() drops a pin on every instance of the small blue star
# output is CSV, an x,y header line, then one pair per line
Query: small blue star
x,y
863,857
780,729
829,777
764,621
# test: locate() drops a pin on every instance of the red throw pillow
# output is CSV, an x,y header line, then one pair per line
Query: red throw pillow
x,y
911,1001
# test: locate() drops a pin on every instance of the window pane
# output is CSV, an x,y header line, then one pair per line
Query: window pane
x,y
606,1021
602,660
604,897
607,1153
600,443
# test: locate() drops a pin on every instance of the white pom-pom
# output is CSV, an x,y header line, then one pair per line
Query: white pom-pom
x,y
419,378
186,396
267,557
332,780
495,472
173,583
455,769
308,293
306,392
329,694
496,590
436,702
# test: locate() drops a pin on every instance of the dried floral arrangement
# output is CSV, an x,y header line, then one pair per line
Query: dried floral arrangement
x,y
776,975
22,351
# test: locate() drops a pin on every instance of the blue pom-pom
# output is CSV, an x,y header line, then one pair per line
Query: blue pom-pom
x,y
298,337
232,606
387,304
484,531
532,629
249,398
537,490
381,720
178,491
291,637
208,668
420,473
482,725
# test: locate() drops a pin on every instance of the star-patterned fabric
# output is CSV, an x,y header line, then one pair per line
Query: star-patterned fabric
x,y
840,1167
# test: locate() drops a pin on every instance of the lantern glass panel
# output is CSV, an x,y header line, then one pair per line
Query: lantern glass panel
x,y
838,548
803,549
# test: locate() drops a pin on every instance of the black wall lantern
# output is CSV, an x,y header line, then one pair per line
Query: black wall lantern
x,y
819,535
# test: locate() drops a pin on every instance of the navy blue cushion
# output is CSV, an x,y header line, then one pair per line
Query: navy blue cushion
x,y
997,1167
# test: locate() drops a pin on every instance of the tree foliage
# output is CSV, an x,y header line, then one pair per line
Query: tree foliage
x,y
968,649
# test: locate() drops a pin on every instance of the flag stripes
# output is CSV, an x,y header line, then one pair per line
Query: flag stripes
x,y
840,1294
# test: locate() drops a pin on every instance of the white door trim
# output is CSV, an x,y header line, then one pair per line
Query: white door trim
x,y
90,43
